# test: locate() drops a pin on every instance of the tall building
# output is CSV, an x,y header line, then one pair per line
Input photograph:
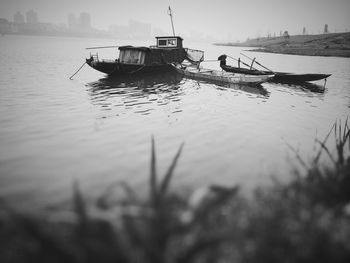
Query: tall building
x,y
18,18
325,31
5,26
121,32
31,17
85,21
304,31
139,30
72,21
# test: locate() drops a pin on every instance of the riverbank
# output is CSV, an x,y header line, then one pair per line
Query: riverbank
x,y
334,44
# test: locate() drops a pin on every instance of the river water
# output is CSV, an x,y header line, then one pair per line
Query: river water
x,y
98,130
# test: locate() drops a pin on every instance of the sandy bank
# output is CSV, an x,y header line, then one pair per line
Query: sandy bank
x,y
335,44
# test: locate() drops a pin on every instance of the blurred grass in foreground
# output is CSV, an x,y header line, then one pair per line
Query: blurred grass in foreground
x,y
305,220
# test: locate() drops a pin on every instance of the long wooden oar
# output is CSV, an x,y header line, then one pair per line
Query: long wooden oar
x,y
101,47
238,60
257,63
245,64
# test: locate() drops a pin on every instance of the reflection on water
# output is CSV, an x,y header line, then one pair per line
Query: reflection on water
x,y
306,89
258,90
305,86
143,93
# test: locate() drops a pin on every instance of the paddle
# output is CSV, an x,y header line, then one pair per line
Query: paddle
x,y
101,47
245,64
253,60
238,60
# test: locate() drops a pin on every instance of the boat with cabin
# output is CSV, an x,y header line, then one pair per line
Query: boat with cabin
x,y
141,59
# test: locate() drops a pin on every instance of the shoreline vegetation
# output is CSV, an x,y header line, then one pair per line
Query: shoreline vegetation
x,y
330,44
304,220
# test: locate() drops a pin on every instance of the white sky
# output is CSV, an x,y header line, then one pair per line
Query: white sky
x,y
223,19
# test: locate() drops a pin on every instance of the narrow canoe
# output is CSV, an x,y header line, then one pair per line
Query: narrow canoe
x,y
279,76
219,75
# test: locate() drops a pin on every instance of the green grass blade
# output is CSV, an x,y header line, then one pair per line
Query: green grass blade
x,y
153,175
316,159
165,183
79,203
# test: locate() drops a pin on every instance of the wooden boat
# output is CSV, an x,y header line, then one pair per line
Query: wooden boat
x,y
279,76
134,60
192,71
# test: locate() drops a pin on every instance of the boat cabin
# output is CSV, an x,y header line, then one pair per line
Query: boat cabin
x,y
132,55
168,50
169,42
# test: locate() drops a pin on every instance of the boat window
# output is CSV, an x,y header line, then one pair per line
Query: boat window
x,y
168,42
172,42
130,56
162,42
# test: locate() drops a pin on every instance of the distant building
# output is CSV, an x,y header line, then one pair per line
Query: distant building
x,y
285,34
3,21
72,21
140,30
31,17
5,26
121,32
325,31
134,29
304,31
18,18
85,21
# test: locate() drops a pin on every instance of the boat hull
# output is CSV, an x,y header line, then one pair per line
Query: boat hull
x,y
279,76
114,68
220,76
298,78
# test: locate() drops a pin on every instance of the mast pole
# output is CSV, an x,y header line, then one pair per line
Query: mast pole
x,y
171,17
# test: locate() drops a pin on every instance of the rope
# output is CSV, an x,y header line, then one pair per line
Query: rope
x,y
71,77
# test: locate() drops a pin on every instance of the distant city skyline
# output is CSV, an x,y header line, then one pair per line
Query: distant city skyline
x,y
222,20
81,25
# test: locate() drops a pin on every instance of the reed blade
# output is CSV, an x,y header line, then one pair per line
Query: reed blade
x,y
153,175
165,183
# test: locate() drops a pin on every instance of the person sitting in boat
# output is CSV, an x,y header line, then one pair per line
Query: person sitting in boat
x,y
222,59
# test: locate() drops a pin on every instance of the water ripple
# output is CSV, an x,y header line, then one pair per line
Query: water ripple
x,y
142,94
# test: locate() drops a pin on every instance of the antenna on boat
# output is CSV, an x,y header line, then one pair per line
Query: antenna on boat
x,y
170,13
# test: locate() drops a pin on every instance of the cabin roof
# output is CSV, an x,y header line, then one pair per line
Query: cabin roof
x,y
134,48
170,37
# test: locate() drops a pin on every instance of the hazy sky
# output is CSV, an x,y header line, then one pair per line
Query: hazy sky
x,y
234,19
